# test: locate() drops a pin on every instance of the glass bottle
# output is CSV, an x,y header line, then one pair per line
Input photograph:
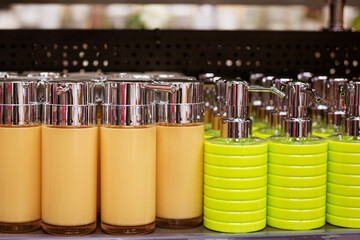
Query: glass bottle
x,y
20,161
343,187
336,107
297,167
179,151
128,154
69,157
278,114
235,170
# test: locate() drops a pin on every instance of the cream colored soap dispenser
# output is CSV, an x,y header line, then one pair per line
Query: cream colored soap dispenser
x,y
179,151
128,154
20,155
69,157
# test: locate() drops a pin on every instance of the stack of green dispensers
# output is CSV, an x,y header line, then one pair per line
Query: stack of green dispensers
x,y
343,194
329,114
276,116
236,168
297,167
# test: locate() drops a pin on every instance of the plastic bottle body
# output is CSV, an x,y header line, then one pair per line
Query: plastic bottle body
x,y
235,179
297,183
343,194
20,178
179,178
128,167
69,179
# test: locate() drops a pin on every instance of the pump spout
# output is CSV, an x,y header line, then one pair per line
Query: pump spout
x,y
315,94
274,90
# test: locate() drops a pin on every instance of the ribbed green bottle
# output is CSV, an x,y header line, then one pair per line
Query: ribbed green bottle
x,y
235,170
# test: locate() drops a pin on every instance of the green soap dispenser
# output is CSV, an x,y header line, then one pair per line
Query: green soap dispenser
x,y
209,91
278,114
343,202
334,107
297,167
255,98
219,109
235,171
267,104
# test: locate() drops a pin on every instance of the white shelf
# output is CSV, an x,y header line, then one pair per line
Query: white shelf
x,y
326,232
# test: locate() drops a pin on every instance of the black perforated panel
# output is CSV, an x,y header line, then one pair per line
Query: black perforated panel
x,y
230,53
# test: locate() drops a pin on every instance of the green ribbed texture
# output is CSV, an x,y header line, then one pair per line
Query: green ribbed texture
x,y
297,174
343,194
235,180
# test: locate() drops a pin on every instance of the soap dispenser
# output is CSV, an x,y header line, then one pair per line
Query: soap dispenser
x,y
179,150
235,169
319,110
335,99
209,90
297,167
343,188
255,98
128,154
69,157
267,104
278,114
219,109
20,161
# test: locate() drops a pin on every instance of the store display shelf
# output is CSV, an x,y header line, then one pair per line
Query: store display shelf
x,y
326,232
247,2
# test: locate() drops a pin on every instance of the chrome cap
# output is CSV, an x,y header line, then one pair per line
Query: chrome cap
x,y
69,102
19,101
183,106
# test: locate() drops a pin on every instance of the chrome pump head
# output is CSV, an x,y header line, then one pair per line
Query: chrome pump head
x,y
236,124
280,103
336,101
319,109
267,101
297,124
351,124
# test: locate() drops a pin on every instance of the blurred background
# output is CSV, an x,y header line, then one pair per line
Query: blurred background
x,y
170,16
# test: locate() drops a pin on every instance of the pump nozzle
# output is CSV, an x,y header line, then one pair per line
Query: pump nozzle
x,y
315,94
236,125
267,89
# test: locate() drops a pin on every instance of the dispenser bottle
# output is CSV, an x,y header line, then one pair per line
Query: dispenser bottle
x,y
209,90
343,187
179,154
69,157
219,109
128,155
235,170
336,108
278,114
267,104
20,161
255,98
297,167
319,110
